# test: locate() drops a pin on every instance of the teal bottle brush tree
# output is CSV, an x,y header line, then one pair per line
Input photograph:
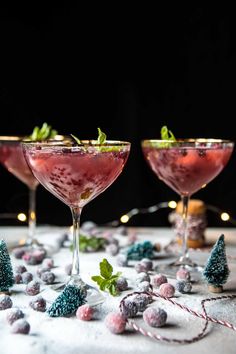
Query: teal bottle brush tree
x,y
216,271
6,272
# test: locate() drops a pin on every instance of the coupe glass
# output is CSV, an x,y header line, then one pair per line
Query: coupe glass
x,y
186,166
12,158
76,174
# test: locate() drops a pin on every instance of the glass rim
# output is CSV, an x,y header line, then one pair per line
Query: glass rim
x,y
189,140
21,138
70,142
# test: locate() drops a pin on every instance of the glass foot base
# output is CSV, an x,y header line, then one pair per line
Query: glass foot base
x,y
170,269
93,296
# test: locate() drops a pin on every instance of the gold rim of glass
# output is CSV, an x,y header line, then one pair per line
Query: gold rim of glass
x,y
185,142
21,138
69,142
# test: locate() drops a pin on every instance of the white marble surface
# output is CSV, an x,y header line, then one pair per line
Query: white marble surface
x,y
70,335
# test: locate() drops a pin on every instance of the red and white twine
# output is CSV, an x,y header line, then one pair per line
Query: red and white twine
x,y
202,315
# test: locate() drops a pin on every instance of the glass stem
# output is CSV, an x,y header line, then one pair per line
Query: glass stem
x,y
76,212
185,201
32,215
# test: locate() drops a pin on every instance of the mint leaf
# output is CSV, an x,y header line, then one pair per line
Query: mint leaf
x,y
115,276
106,269
43,133
167,134
76,139
104,285
112,289
101,137
99,280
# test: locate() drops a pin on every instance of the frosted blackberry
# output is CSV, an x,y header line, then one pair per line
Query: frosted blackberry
x,y
121,284
142,277
159,279
21,326
26,277
167,290
112,249
18,252
68,269
41,270
85,312
48,277
20,269
5,302
38,304
18,278
32,288
29,258
143,286
183,286
148,264
34,257
140,268
122,260
155,317
128,308
13,315
141,301
48,263
115,322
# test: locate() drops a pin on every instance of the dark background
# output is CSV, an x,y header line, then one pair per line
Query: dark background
x,y
128,71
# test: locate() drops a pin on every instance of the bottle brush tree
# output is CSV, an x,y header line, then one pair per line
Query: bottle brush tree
x,y
6,272
216,271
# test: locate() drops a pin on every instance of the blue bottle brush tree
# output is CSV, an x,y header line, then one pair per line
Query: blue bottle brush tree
x,y
216,271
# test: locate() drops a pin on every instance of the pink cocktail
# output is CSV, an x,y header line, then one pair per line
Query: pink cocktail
x,y
12,158
76,174
73,175
186,166
186,169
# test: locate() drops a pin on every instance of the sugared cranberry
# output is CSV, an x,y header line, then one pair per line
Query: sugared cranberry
x,y
33,288
26,277
85,312
155,317
115,322
21,326
48,277
13,315
38,304
5,302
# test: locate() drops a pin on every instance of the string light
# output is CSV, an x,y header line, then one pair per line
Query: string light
x,y
125,218
21,217
224,216
172,204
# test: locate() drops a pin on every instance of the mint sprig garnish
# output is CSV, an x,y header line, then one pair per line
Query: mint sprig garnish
x,y
106,280
100,140
101,137
167,134
91,243
43,133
